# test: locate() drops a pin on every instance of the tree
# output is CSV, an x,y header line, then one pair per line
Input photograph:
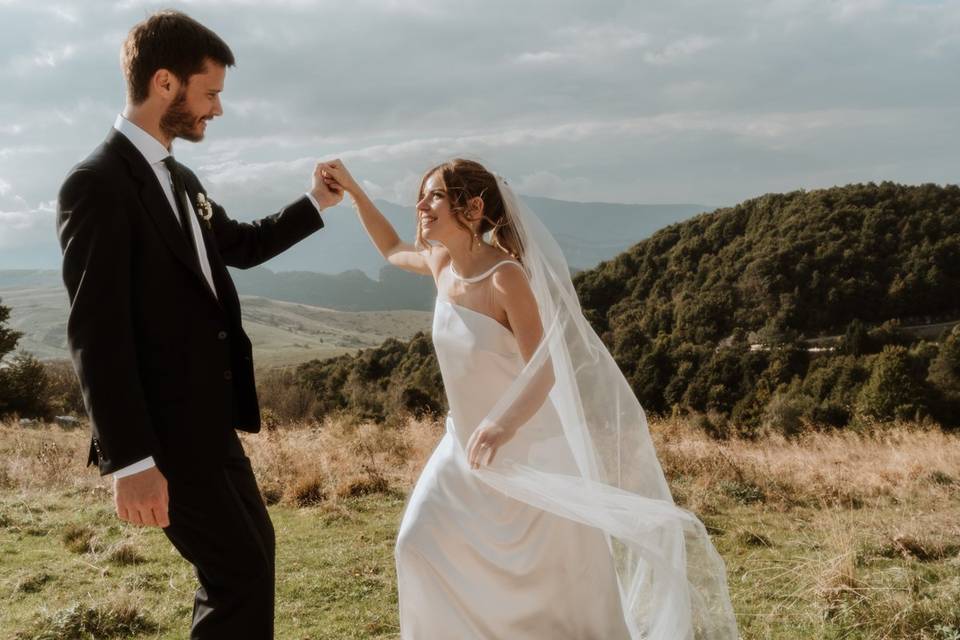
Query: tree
x,y
8,337
23,387
891,392
855,341
23,383
944,377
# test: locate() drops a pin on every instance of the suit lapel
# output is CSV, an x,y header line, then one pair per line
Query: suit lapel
x,y
217,268
155,202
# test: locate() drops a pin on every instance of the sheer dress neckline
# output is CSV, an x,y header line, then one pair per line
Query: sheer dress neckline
x,y
483,275
474,279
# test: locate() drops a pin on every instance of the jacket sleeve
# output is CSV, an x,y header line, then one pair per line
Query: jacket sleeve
x,y
249,244
95,238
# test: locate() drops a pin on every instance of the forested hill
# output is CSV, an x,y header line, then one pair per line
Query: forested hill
x,y
807,261
711,316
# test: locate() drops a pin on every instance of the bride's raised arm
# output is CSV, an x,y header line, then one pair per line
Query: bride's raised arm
x,y
403,255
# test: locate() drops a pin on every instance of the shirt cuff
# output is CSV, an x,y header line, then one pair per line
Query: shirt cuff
x,y
314,201
136,467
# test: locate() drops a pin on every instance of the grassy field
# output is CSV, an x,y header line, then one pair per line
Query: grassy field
x,y
831,536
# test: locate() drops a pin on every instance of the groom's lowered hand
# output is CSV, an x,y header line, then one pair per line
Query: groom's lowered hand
x,y
142,498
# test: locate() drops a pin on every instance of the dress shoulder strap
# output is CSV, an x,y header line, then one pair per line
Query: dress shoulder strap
x,y
483,275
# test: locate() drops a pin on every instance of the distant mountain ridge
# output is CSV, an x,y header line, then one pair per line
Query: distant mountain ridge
x,y
590,232
587,232
350,275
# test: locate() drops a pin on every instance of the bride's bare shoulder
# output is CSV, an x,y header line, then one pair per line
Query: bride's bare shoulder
x,y
510,279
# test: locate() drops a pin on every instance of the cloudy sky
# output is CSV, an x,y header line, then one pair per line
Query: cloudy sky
x,y
688,101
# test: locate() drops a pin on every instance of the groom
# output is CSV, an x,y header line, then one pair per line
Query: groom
x,y
154,328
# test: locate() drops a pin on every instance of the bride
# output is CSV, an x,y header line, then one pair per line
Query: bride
x,y
543,512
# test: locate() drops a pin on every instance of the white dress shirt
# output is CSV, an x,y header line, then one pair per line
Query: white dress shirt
x,y
154,153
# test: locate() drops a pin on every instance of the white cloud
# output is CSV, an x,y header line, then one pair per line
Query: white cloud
x,y
774,130
125,5
585,44
404,189
21,152
43,59
66,13
27,227
856,9
679,49
218,151
604,37
373,189
540,183
541,57
409,7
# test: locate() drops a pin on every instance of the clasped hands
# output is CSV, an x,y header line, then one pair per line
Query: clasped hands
x,y
333,177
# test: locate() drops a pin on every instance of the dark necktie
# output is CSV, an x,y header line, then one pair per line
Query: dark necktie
x,y
180,197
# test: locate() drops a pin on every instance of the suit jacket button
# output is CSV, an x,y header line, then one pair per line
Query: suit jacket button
x,y
228,375
222,335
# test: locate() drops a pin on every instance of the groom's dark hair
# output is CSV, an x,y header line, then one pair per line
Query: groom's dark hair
x,y
169,40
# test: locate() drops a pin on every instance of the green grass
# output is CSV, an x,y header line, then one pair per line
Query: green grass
x,y
335,571
797,574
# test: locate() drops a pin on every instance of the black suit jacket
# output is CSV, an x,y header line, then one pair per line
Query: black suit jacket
x,y
165,366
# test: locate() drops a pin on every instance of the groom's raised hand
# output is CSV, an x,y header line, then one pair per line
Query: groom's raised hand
x,y
142,498
327,194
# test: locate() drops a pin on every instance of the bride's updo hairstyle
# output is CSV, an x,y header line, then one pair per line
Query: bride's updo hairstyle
x,y
466,179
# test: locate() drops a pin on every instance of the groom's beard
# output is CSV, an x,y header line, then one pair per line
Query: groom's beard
x,y
179,122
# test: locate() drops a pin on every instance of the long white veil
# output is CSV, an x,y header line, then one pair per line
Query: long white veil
x,y
592,460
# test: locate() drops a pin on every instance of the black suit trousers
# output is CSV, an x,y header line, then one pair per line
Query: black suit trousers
x,y
219,523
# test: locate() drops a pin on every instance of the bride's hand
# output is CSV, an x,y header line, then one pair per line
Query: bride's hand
x,y
327,193
484,443
335,171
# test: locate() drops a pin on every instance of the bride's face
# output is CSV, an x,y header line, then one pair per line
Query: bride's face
x,y
434,215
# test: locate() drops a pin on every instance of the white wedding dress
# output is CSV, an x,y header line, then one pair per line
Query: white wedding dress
x,y
571,533
473,563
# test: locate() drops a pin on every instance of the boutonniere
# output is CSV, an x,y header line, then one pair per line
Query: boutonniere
x,y
204,208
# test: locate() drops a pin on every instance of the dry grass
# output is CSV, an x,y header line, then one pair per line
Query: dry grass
x,y
310,463
121,618
78,538
45,456
840,468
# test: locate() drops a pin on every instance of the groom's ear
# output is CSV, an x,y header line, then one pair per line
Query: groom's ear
x,y
164,84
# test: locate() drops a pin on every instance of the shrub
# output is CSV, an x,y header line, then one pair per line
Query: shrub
x,y
63,393
23,387
944,379
284,397
786,411
891,392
